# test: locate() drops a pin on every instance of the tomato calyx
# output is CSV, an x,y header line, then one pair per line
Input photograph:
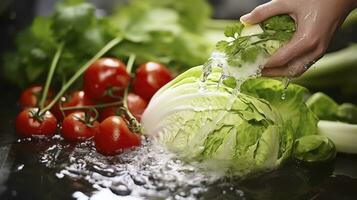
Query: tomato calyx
x,y
77,126
37,114
88,120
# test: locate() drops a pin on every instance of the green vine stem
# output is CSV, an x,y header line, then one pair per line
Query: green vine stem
x,y
50,74
88,119
119,103
134,125
81,70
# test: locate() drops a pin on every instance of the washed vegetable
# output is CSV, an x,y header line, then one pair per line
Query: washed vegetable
x,y
79,126
29,122
114,136
314,148
106,79
292,107
149,78
231,132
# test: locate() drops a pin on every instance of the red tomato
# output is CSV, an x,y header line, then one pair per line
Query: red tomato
x,y
28,123
150,77
77,98
74,127
31,96
104,75
136,106
114,136
108,112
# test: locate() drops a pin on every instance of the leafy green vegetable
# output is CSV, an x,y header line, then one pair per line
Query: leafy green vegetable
x,y
240,133
336,121
314,148
72,23
292,108
166,31
347,112
231,132
323,106
69,20
326,108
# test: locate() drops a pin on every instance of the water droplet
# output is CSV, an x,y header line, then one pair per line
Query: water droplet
x,y
19,167
139,180
220,81
59,175
183,194
286,81
283,95
120,189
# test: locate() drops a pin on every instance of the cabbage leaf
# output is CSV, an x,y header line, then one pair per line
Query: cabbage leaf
x,y
235,133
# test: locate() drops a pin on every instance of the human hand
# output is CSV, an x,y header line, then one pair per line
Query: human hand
x,y
316,20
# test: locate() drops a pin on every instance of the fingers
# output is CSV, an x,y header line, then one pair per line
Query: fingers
x,y
265,11
297,67
300,44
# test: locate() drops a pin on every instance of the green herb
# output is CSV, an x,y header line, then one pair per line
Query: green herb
x,y
166,31
246,42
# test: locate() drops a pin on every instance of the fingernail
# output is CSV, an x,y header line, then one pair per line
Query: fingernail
x,y
244,18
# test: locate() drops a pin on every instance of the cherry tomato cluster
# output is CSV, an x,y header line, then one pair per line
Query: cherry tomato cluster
x,y
98,111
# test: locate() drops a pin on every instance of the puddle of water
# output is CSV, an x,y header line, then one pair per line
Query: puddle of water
x,y
147,171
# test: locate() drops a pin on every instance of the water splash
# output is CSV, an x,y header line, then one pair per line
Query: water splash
x,y
220,81
217,59
241,74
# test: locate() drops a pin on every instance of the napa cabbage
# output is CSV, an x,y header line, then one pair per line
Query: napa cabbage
x,y
236,133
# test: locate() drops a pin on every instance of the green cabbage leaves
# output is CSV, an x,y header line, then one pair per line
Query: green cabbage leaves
x,y
236,133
